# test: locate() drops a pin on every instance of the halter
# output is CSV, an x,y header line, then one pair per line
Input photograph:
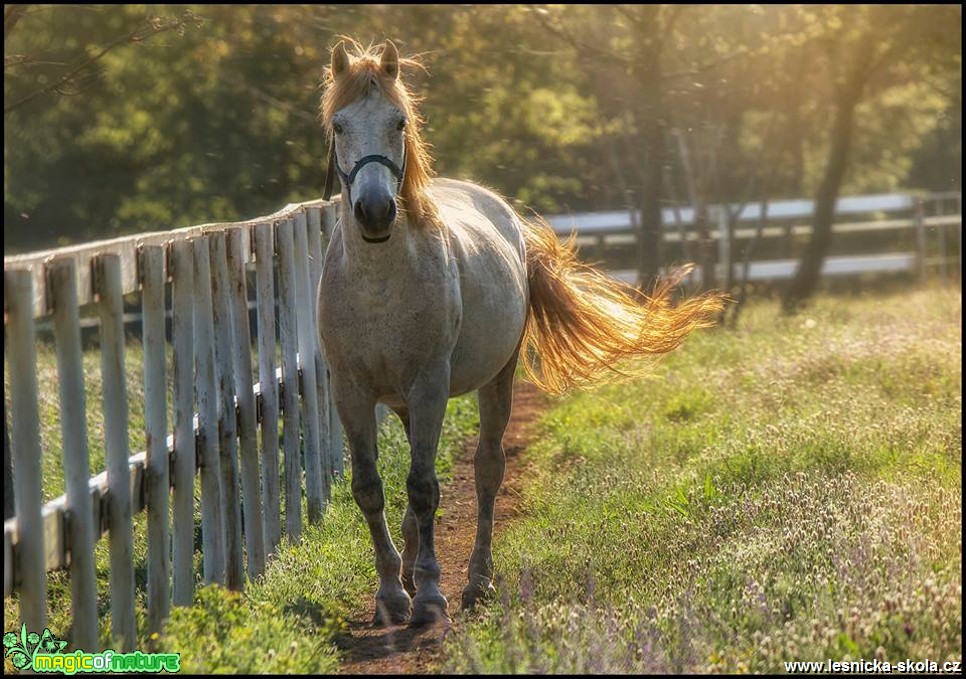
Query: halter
x,y
347,179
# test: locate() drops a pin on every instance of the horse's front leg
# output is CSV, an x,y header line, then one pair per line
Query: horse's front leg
x,y
359,419
427,407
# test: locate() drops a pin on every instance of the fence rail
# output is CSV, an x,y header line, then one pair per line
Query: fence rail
x,y
216,415
934,220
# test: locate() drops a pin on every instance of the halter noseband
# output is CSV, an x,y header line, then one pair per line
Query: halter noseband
x,y
347,179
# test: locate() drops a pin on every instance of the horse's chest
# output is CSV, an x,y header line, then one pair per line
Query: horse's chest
x,y
393,322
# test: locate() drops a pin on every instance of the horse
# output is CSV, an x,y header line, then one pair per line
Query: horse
x,y
432,288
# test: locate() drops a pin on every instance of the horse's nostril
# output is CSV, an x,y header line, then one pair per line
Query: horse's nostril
x,y
360,212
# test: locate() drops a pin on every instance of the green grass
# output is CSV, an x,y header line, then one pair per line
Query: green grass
x,y
290,619
790,490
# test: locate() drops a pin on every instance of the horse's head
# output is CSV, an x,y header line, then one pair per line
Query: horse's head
x,y
367,113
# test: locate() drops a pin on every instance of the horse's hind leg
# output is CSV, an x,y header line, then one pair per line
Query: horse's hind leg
x,y
489,463
358,417
410,529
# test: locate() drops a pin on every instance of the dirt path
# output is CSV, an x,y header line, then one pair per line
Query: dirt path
x,y
400,650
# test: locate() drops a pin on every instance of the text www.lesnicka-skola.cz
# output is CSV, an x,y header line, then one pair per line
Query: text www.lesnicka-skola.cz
x,y
874,666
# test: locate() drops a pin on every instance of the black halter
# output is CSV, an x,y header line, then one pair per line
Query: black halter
x,y
347,179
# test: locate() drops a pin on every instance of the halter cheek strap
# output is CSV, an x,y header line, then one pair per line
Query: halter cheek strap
x,y
347,179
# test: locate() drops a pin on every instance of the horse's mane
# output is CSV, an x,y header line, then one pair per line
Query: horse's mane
x,y
363,74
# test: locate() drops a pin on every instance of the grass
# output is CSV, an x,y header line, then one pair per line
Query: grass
x,y
290,619
787,491
790,490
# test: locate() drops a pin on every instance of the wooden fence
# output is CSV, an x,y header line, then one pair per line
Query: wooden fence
x,y
216,416
913,233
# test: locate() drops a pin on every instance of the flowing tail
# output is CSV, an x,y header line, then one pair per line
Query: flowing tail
x,y
582,323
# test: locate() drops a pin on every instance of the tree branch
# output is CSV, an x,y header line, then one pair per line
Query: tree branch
x,y
579,44
11,15
152,23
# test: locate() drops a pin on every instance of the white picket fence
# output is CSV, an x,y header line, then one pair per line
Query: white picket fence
x,y
215,420
934,219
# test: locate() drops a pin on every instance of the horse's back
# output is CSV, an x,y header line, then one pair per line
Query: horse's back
x,y
468,207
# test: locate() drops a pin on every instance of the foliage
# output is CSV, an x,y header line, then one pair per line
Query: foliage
x,y
216,120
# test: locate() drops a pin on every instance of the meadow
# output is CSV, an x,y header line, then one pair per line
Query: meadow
x,y
791,490
788,490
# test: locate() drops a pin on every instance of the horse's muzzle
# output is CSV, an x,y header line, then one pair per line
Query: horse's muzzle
x,y
375,217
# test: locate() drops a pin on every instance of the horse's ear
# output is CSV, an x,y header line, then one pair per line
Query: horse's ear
x,y
389,63
340,60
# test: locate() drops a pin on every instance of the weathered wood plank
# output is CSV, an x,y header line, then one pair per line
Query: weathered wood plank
x,y
157,490
247,433
227,419
62,293
316,485
290,377
212,498
314,237
107,286
330,217
25,431
8,502
265,294
182,268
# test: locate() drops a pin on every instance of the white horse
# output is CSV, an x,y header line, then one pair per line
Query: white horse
x,y
429,290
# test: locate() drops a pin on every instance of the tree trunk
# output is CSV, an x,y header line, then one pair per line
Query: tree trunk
x,y
650,243
809,268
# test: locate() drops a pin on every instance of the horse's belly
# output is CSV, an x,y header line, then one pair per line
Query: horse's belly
x,y
494,315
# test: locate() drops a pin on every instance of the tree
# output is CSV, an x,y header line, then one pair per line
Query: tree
x,y
861,44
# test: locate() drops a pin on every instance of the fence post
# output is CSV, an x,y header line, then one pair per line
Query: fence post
x,y
227,416
290,380
212,514
62,296
330,215
157,487
8,501
321,371
107,286
182,271
264,235
919,222
248,437
316,485
724,245
941,236
18,292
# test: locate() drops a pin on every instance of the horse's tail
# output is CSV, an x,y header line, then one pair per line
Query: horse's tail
x,y
581,322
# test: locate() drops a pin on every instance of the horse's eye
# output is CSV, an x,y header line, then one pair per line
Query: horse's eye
x,y
401,125
337,128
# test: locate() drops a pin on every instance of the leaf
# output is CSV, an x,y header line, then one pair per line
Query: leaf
x,y
20,660
23,636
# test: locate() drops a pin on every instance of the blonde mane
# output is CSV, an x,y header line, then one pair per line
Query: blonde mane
x,y
362,75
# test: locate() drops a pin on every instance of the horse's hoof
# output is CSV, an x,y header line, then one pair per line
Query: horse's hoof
x,y
428,610
476,593
392,608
